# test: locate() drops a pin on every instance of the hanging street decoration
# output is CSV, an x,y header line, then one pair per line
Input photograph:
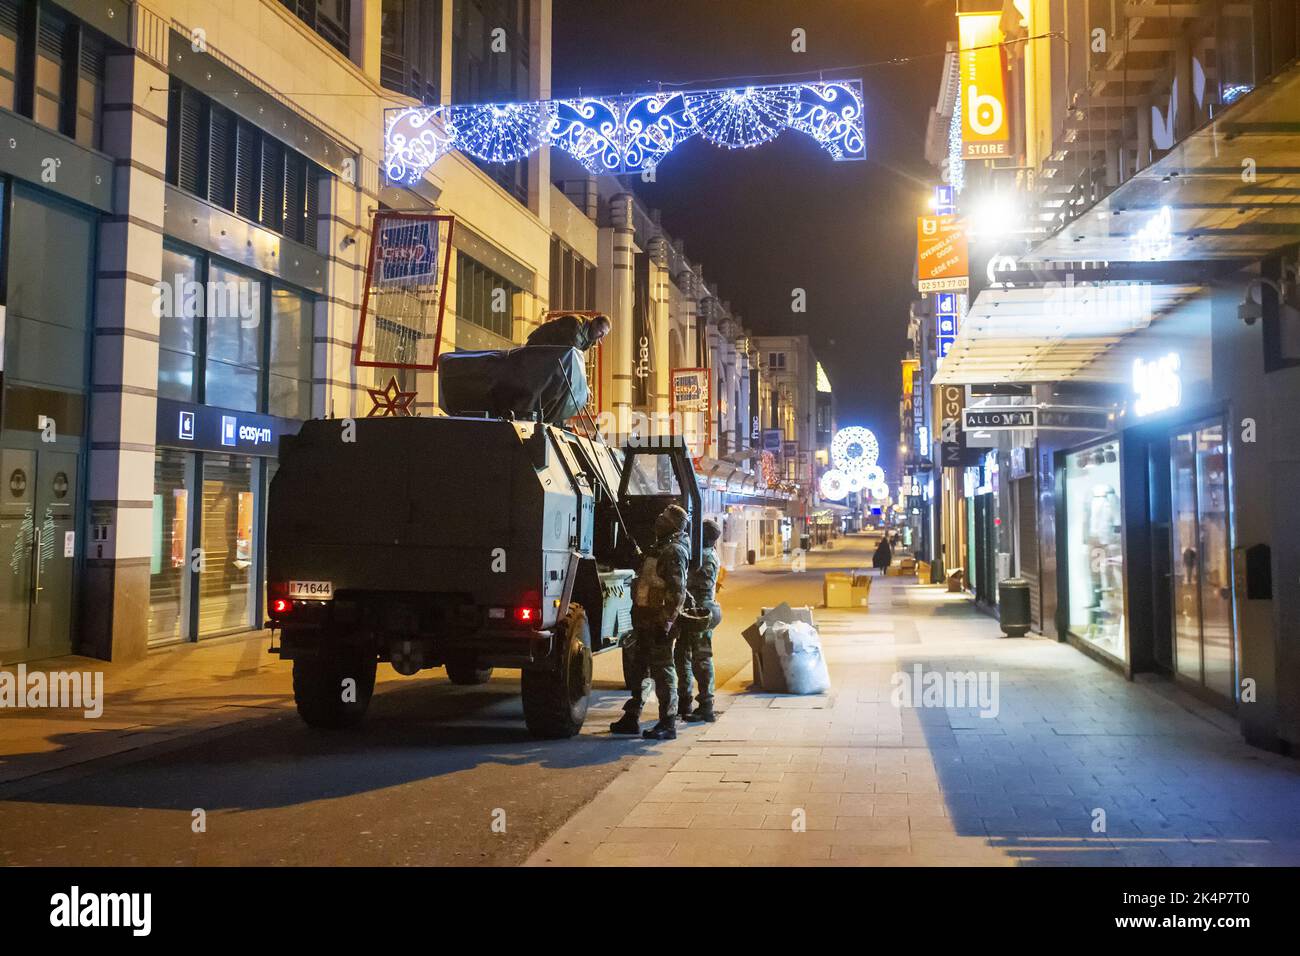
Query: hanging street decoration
x,y
628,133
834,485
390,401
854,449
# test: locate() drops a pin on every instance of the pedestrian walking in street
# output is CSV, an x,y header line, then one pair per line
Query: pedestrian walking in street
x,y
883,557
659,594
694,649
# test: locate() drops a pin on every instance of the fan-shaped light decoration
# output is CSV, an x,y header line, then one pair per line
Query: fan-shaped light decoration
x,y
629,133
834,485
880,491
854,449
853,481
739,119
873,475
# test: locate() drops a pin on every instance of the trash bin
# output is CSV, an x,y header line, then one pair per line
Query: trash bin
x,y
1013,607
750,556
805,542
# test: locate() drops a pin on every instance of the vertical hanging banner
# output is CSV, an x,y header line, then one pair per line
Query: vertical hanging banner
x,y
642,335
941,254
691,396
946,309
985,127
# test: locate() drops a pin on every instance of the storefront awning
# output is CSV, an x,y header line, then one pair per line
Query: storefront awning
x,y
1231,190
1057,333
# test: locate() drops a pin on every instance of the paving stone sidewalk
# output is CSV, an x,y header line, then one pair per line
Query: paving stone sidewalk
x,y
1078,767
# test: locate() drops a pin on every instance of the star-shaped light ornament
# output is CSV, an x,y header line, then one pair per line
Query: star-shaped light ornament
x,y
391,401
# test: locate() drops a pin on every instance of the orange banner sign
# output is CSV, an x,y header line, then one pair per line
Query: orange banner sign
x,y
985,130
941,262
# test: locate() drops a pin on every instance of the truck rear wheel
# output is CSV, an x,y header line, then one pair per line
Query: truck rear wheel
x,y
324,697
467,672
555,700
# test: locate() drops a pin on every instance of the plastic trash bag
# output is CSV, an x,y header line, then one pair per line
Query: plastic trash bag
x,y
799,649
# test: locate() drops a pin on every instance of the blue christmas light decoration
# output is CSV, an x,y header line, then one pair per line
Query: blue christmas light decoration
x,y
625,134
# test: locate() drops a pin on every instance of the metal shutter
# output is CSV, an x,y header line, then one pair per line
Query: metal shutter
x,y
247,166
294,169
272,215
189,168
312,187
221,157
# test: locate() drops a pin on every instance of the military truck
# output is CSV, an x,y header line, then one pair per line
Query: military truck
x,y
470,542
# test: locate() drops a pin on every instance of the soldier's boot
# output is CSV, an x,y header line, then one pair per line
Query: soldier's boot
x,y
666,729
703,715
684,710
627,724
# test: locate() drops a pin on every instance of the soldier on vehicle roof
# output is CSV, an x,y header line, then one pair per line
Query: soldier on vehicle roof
x,y
571,330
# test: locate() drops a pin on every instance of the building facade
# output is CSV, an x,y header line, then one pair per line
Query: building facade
x,y
204,175
1125,347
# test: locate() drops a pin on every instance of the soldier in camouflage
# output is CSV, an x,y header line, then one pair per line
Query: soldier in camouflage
x,y
694,652
659,595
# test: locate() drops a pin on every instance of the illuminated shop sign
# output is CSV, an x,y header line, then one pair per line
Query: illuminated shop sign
x,y
993,418
985,132
945,315
1158,384
200,428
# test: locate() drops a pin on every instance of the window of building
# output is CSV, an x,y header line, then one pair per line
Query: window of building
x,y
483,297
329,18
1095,547
289,383
217,156
490,64
572,280
179,311
232,338
776,360
410,44
52,69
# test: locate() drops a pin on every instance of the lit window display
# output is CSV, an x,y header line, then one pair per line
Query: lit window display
x,y
1095,529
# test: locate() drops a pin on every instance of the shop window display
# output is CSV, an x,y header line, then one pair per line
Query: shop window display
x,y
1096,547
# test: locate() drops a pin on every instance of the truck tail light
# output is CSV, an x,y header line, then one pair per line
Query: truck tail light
x,y
281,606
526,615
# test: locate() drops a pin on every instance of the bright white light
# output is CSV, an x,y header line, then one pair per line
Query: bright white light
x,y
993,214
854,449
1155,240
834,485
1158,384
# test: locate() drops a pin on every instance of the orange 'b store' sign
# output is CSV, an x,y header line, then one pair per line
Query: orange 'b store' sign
x,y
985,127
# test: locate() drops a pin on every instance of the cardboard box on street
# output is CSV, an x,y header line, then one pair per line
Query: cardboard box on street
x,y
860,590
767,665
837,589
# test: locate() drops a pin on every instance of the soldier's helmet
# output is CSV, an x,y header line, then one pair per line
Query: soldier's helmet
x,y
711,532
672,519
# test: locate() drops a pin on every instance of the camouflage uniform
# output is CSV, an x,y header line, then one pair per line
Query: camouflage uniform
x,y
694,652
660,591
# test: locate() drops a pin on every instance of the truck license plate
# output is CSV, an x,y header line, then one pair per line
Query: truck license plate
x,y
311,590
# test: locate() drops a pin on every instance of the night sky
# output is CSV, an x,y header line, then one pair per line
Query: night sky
x,y
765,221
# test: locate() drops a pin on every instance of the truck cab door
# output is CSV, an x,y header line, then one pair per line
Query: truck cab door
x,y
652,479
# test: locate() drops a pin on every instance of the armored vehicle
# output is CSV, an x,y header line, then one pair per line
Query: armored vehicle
x,y
464,542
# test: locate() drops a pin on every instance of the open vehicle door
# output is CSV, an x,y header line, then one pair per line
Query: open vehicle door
x,y
653,478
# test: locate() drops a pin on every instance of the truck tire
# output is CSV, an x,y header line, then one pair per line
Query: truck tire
x,y
555,699
466,672
318,689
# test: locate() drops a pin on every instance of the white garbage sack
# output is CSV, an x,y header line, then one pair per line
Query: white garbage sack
x,y
799,649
